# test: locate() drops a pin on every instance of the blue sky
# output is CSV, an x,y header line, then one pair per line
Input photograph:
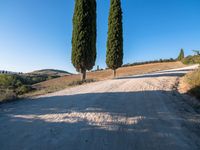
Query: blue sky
x,y
36,34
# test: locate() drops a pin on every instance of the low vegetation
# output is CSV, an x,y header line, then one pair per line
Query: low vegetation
x,y
193,81
7,95
11,86
37,78
189,60
80,82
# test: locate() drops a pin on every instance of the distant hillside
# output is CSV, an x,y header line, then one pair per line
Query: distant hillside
x,y
13,85
51,72
43,75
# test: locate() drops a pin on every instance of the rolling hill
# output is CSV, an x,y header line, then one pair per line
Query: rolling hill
x,y
63,82
51,72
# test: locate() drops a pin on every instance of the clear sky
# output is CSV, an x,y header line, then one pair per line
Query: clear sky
x,y
36,34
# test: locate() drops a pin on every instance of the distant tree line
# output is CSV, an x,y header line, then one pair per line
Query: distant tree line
x,y
148,62
9,72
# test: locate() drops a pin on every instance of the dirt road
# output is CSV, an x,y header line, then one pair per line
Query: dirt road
x,y
131,113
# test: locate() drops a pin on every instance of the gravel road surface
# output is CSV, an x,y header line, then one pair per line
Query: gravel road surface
x,y
142,112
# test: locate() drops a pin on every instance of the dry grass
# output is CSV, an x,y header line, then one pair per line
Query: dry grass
x,y
191,83
7,95
64,82
193,78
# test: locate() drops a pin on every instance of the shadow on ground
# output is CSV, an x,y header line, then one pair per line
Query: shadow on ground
x,y
128,120
167,73
153,75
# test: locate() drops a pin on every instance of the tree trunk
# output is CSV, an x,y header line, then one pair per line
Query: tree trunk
x,y
83,75
114,73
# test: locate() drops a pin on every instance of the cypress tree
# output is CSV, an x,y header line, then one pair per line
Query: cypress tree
x,y
181,55
84,36
114,55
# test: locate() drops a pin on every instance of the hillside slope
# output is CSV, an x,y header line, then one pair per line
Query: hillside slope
x,y
51,72
63,82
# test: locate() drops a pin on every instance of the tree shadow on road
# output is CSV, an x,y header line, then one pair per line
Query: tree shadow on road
x,y
126,120
175,74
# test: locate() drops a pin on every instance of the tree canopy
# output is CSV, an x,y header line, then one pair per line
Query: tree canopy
x,y
84,35
114,55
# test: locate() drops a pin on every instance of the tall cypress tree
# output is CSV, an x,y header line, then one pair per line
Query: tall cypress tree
x,y
114,55
181,55
84,36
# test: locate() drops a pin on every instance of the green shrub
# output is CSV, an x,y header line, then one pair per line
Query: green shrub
x,y
9,81
191,60
7,95
30,79
11,86
24,89
33,79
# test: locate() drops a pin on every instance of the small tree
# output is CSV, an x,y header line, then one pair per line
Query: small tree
x,y
197,52
181,55
114,55
84,36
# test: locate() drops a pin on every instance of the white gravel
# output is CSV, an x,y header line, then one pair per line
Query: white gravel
x,y
140,112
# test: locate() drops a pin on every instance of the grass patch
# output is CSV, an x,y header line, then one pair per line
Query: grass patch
x,y
189,60
7,95
12,86
193,80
